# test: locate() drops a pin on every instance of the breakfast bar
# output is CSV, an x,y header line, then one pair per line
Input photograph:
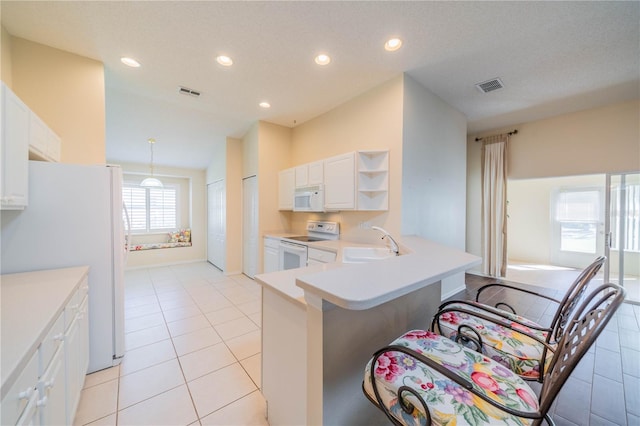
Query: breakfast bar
x,y
322,323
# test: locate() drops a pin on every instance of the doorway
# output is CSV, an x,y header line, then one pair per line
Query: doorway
x,y
557,226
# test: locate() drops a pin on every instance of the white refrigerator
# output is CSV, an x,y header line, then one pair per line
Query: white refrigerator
x,y
74,217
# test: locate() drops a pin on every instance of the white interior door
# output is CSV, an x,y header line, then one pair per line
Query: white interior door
x,y
216,224
250,226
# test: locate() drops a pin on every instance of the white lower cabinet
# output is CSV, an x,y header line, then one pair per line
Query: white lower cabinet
x,y
31,414
76,359
48,386
51,387
22,393
316,255
271,260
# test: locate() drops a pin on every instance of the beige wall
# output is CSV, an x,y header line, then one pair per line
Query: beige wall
x,y
65,90
274,153
6,74
196,196
372,120
599,140
529,224
250,143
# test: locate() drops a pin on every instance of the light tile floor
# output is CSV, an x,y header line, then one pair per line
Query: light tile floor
x,y
193,356
192,352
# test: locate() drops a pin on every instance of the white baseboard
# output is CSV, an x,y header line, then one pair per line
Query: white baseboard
x,y
158,265
452,292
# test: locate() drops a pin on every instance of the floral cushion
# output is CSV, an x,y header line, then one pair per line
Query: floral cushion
x,y
181,236
515,350
151,246
448,402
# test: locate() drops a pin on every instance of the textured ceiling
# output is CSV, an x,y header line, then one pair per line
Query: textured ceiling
x,y
553,57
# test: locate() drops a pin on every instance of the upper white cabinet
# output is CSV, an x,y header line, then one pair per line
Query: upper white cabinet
x,y
44,144
373,180
23,136
316,173
339,182
310,174
286,188
352,181
14,153
302,175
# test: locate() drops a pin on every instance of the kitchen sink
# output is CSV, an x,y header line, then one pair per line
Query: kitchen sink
x,y
365,254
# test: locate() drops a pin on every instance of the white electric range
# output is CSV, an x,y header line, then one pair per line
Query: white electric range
x,y
293,251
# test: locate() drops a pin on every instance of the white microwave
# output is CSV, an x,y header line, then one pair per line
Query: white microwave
x,y
309,199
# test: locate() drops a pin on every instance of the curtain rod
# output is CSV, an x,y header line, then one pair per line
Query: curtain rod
x,y
514,132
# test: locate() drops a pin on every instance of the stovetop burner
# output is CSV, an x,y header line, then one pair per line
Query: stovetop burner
x,y
305,238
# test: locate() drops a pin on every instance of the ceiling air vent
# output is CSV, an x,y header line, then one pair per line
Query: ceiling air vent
x,y
187,91
490,85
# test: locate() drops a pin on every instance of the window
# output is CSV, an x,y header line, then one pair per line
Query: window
x,y
151,209
578,213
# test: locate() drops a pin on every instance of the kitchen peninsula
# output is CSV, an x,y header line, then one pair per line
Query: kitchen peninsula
x,y
321,324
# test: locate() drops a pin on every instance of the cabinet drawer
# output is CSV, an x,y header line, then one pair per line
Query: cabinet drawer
x,y
52,391
20,393
83,289
71,309
323,256
51,342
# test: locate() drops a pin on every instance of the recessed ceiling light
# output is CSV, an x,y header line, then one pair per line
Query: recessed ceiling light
x,y
322,59
130,62
224,60
264,104
393,44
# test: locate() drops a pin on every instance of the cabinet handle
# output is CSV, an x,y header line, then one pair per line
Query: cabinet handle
x,y
59,337
42,402
26,394
49,383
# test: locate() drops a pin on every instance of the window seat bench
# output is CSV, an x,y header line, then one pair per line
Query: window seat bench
x,y
180,238
151,246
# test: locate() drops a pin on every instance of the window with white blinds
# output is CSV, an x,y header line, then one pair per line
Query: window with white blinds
x,y
151,209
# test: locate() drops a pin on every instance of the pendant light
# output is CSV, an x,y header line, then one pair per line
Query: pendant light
x,y
151,182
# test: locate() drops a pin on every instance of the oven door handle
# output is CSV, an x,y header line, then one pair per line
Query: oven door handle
x,y
293,247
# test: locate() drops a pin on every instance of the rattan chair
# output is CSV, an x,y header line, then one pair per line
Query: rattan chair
x,y
425,378
518,343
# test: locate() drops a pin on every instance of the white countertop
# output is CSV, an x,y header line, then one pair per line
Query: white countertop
x,y
365,285
31,302
284,282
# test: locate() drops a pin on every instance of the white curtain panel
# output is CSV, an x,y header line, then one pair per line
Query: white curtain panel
x,y
494,205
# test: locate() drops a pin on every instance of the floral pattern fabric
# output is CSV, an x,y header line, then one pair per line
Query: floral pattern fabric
x,y
511,348
448,402
181,236
150,246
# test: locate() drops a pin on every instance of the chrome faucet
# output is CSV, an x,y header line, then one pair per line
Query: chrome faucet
x,y
394,245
